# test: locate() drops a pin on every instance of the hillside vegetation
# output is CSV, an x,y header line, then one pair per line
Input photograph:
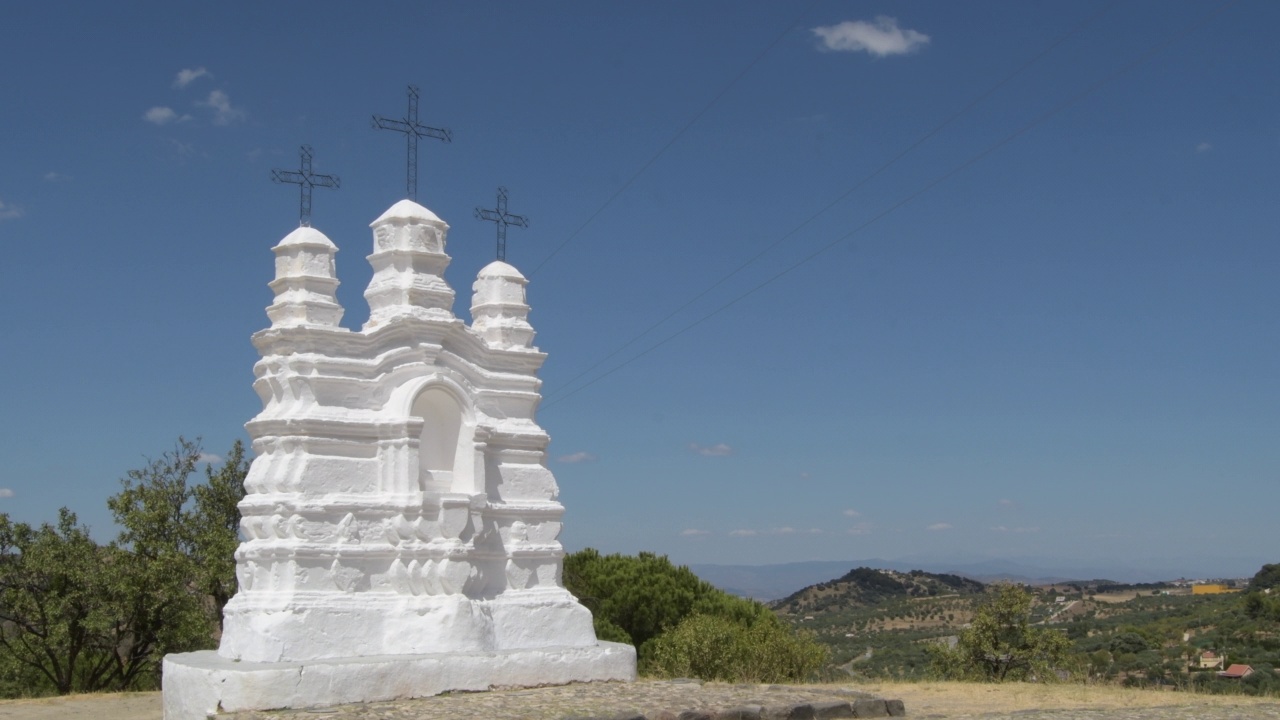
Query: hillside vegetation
x,y
882,624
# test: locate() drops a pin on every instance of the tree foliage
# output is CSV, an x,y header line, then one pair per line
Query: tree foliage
x,y
683,625
635,598
717,648
55,604
1001,644
78,616
1266,578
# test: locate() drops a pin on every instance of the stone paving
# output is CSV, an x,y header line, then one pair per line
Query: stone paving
x,y
692,700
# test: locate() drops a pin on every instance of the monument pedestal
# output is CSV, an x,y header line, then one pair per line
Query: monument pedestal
x,y
200,684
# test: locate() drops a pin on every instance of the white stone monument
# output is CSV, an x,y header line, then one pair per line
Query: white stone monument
x,y
399,524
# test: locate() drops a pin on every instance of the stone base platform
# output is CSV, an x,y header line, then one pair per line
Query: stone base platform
x,y
199,684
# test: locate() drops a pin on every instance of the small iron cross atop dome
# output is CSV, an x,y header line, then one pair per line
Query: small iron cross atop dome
x,y
307,179
502,218
413,130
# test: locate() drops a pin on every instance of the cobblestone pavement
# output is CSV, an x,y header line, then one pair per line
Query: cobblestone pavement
x,y
1168,712
668,699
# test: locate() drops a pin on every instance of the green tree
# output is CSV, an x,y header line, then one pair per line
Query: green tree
x,y
157,581
1128,643
56,614
1267,577
76,616
215,527
1001,644
635,598
717,648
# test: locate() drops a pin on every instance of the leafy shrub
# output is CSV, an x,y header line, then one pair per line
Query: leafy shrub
x,y
717,648
636,598
1000,644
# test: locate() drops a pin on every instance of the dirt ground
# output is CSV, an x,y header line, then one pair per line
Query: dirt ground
x,y
119,706
921,699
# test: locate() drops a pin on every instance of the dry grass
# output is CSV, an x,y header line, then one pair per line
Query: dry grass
x,y
950,698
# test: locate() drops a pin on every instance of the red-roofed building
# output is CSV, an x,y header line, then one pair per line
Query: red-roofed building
x,y
1236,672
1210,659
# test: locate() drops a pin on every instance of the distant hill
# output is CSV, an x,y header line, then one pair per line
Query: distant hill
x,y
769,582
864,586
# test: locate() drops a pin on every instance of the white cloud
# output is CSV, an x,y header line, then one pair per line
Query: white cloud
x,y
6,493
578,457
1017,530
850,512
209,458
784,530
1006,504
160,115
693,532
9,212
859,529
223,112
717,450
52,176
1204,147
185,77
939,526
880,38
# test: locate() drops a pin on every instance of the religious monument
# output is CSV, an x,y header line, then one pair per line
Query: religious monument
x,y
399,531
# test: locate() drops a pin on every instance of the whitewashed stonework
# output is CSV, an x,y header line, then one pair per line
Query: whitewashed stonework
x,y
399,524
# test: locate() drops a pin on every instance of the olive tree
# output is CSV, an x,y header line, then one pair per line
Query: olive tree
x,y
1001,643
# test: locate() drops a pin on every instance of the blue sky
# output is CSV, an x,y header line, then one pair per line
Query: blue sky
x,y
1050,329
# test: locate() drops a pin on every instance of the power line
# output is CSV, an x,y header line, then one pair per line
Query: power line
x,y
676,137
843,196
1139,60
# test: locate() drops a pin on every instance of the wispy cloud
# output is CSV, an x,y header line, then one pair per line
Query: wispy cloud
x,y
185,76
224,113
6,493
859,529
1006,504
210,458
160,115
850,512
1204,147
9,212
1016,530
775,531
939,526
179,149
52,176
717,450
880,38
578,457
694,532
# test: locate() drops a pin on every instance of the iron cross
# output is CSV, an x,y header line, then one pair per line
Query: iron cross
x,y
502,218
307,180
413,130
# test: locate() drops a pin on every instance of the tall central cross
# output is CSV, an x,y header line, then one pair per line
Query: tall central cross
x,y
413,130
307,179
502,218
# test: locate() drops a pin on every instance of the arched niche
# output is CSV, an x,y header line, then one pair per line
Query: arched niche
x,y
446,446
